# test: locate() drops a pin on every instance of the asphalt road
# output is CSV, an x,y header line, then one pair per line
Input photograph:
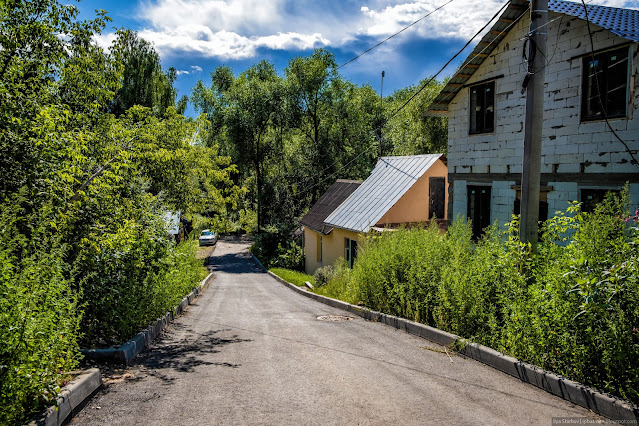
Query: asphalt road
x,y
251,351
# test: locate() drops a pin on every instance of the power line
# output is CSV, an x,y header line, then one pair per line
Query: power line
x,y
409,100
397,33
447,63
603,108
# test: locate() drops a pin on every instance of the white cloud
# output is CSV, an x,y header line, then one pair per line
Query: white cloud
x,y
236,29
196,68
224,44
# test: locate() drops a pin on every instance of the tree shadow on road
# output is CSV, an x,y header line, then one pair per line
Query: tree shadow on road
x,y
234,263
169,358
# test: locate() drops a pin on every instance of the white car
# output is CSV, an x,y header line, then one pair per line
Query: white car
x,y
208,238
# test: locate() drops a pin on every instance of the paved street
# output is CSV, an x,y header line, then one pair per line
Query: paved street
x,y
251,351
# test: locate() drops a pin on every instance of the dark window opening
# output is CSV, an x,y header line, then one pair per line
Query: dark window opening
x,y
350,251
606,75
591,197
436,197
482,108
479,208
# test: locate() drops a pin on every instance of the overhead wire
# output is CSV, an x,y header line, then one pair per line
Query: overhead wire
x,y
379,44
382,42
410,99
397,33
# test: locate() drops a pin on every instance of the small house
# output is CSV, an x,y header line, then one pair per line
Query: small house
x,y
400,190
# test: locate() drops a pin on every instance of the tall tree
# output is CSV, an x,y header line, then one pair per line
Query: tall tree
x,y
253,103
410,131
143,81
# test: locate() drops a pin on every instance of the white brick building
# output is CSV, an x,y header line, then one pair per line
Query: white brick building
x,y
581,157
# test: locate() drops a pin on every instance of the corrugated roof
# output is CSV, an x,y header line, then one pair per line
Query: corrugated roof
x,y
391,178
622,22
332,198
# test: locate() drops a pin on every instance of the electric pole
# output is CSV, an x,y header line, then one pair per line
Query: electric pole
x,y
534,84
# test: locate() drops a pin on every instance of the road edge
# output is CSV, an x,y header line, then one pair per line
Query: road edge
x,y
569,390
72,397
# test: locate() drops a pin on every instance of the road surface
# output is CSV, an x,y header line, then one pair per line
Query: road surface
x,y
251,351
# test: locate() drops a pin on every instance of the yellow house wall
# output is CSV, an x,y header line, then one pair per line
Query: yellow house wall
x,y
413,206
332,247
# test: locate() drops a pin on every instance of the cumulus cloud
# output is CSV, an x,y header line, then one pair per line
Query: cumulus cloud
x,y
224,44
236,29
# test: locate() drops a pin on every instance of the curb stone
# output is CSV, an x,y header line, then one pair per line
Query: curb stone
x,y
125,353
72,397
569,390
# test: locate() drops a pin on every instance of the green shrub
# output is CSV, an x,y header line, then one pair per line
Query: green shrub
x,y
131,277
570,307
38,315
322,275
340,284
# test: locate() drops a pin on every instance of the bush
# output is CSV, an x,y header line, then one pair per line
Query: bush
x,y
38,316
571,307
322,275
131,277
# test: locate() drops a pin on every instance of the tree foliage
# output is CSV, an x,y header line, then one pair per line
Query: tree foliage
x,y
93,155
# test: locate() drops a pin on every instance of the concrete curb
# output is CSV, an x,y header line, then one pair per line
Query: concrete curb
x,y
71,398
576,393
125,353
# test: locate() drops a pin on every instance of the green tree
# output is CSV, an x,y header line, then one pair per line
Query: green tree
x,y
143,81
411,132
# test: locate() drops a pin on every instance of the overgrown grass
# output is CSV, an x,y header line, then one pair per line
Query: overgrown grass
x,y
572,307
294,277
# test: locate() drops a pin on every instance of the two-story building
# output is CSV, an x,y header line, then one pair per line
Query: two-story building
x,y
590,90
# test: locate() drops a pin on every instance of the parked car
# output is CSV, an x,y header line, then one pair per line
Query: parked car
x,y
208,238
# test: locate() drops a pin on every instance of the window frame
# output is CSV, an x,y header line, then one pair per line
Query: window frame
x,y
603,84
471,110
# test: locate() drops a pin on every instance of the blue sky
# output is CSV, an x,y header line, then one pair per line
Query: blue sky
x,y
196,36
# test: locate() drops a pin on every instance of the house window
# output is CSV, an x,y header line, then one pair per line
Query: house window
x,y
479,208
591,197
436,197
319,250
482,108
350,251
605,83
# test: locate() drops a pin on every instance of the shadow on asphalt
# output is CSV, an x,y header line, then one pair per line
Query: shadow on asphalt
x,y
169,355
234,263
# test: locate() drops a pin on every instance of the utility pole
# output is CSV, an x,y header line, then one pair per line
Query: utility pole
x,y
534,84
381,113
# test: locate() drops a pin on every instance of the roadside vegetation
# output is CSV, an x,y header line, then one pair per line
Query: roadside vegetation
x,y
293,277
94,153
572,307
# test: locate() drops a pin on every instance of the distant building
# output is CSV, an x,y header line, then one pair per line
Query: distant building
x,y
581,157
399,190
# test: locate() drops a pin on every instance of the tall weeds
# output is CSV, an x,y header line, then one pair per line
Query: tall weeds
x,y
570,307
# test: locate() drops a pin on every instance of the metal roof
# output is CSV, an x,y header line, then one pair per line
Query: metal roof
x,y
332,198
622,22
391,178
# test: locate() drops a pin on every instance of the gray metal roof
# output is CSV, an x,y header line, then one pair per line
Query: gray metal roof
x,y
391,178
622,22
332,198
